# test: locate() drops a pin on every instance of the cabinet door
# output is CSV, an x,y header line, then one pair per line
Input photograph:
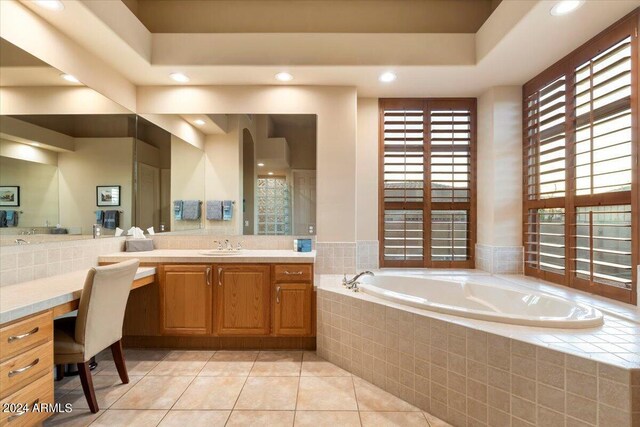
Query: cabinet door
x,y
186,300
242,300
293,309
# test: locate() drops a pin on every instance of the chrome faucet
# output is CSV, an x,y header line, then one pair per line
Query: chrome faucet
x,y
227,243
353,283
219,244
239,246
21,242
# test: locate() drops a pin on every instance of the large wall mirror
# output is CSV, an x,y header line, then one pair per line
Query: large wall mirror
x,y
260,174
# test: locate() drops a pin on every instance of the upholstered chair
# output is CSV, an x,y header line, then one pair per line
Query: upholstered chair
x,y
98,324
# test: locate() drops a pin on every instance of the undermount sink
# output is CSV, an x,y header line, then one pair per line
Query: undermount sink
x,y
218,252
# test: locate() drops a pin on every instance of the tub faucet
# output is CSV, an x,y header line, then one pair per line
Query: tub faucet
x,y
21,242
353,283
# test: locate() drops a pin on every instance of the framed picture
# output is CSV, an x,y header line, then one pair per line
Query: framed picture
x,y
108,195
9,195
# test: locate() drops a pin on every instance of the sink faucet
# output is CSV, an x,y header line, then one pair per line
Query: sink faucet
x,y
239,246
21,242
219,244
228,245
353,283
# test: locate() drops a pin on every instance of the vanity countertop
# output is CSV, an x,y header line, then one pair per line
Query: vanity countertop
x,y
197,256
24,299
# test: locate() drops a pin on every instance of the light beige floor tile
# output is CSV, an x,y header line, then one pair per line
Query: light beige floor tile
x,y
327,419
138,362
221,368
435,421
211,393
326,394
129,418
182,363
65,385
321,368
235,356
276,369
261,418
76,418
281,356
154,393
372,398
108,390
268,393
393,419
195,419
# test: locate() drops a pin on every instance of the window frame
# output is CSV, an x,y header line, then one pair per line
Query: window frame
x,y
427,105
626,27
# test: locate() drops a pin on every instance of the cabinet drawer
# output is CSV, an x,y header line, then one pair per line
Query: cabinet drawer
x,y
22,369
37,393
25,334
293,273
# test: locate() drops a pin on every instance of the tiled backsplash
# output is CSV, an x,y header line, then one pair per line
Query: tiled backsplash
x,y
335,258
209,241
367,255
470,377
36,261
500,259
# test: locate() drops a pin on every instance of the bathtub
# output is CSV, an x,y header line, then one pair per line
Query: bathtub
x,y
484,302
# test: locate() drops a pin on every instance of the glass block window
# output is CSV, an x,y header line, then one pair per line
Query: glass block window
x,y
274,206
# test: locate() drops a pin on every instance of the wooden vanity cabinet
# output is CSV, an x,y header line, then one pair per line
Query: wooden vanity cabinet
x,y
186,299
293,297
242,296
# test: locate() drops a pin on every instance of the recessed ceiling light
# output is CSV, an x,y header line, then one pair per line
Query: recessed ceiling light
x,y
199,122
260,164
387,77
50,4
69,78
565,7
269,173
179,77
284,77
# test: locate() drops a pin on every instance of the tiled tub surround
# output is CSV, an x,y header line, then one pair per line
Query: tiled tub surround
x,y
500,259
367,255
335,257
476,373
36,261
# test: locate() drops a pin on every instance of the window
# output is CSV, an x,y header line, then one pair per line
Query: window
x,y
427,187
580,167
274,206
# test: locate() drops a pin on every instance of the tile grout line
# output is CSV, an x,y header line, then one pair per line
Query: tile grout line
x,y
242,388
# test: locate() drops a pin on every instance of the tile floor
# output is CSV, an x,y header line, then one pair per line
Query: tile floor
x,y
232,388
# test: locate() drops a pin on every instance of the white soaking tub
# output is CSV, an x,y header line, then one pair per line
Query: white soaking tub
x,y
484,302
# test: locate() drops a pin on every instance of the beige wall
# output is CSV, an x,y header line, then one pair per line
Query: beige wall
x,y
38,190
16,150
500,167
336,111
187,178
96,161
367,169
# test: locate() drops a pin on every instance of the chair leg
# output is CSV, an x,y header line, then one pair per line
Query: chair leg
x,y
118,358
87,386
59,372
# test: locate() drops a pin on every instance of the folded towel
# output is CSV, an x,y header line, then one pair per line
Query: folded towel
x,y
3,218
191,210
12,218
99,217
214,210
227,210
177,209
111,219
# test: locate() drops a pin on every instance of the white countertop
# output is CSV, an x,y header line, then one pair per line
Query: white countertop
x,y
24,299
196,256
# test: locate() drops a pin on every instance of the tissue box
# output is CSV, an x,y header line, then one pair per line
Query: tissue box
x,y
138,245
304,245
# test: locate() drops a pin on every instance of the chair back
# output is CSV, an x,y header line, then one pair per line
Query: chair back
x,y
102,305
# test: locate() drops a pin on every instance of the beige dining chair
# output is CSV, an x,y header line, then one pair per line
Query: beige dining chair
x,y
98,324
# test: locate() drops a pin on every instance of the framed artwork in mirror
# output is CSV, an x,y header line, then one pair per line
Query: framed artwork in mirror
x,y
108,195
10,195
